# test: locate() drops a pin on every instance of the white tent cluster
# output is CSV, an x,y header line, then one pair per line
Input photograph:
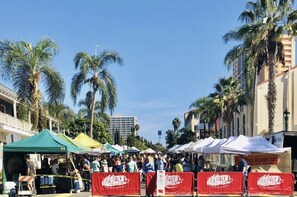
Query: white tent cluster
x,y
241,145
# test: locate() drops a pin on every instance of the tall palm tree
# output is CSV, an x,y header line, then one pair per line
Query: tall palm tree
x,y
229,98
93,71
28,67
265,22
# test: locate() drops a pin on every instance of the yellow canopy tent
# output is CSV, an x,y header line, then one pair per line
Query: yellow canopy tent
x,y
87,141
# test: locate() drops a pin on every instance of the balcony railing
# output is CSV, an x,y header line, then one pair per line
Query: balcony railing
x,y
15,123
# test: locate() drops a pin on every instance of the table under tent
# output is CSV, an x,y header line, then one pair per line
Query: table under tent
x,y
43,143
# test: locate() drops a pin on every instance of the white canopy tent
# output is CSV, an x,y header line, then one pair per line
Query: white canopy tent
x,y
148,151
217,148
183,147
198,144
212,144
173,148
244,145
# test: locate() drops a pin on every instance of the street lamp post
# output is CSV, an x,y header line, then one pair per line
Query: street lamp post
x,y
286,117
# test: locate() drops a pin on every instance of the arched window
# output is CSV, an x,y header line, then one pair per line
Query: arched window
x,y
243,124
237,126
233,127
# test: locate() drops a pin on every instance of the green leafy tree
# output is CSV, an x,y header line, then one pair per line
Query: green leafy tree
x,y
171,138
63,113
28,67
265,22
94,73
186,136
100,131
131,140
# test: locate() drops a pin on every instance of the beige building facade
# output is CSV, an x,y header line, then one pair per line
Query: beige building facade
x,y
286,85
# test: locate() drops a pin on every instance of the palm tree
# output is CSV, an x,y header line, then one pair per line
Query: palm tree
x,y
265,22
137,127
176,124
28,67
229,98
208,110
85,110
93,72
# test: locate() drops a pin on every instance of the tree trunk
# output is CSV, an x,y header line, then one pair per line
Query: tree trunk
x,y
92,113
252,115
271,94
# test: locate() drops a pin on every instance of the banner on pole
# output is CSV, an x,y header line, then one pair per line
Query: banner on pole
x,y
271,183
120,184
220,183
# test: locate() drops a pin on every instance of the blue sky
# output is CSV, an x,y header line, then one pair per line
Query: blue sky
x,y
172,49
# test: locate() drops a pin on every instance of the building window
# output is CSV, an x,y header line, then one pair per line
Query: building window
x,y
237,126
2,109
243,124
233,127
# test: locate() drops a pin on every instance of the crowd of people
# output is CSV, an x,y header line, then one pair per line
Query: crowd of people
x,y
142,163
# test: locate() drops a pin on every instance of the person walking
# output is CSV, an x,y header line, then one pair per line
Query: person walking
x,y
200,164
243,167
30,171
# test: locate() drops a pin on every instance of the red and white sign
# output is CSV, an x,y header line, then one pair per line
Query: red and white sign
x,y
175,183
220,183
161,180
271,183
105,184
25,178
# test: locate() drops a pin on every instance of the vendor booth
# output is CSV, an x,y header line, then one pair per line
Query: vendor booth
x,y
87,141
45,142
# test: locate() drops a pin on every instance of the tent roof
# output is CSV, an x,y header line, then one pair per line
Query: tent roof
x,y
132,150
183,147
111,148
216,148
211,144
87,141
198,144
42,142
75,143
148,151
118,147
171,150
244,145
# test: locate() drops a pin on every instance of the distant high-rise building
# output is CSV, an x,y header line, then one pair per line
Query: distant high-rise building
x,y
123,124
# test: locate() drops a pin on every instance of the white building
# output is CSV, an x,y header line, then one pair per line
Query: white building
x,y
11,127
123,124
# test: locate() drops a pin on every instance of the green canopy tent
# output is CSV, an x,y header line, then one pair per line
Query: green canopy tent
x,y
45,142
112,149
